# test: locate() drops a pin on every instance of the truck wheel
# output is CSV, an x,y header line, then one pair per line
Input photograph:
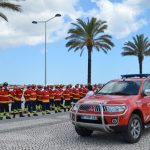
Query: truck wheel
x,y
134,129
83,132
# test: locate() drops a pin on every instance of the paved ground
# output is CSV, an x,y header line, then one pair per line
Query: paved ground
x,y
55,132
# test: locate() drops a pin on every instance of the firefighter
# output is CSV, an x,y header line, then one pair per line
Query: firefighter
x,y
67,98
51,97
60,88
76,94
1,109
84,91
95,87
12,97
39,95
27,96
45,101
57,99
17,102
32,101
81,91
71,92
5,100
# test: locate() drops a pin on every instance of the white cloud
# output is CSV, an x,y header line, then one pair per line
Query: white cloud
x,y
20,30
123,17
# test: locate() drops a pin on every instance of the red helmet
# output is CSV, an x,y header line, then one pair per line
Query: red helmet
x,y
15,87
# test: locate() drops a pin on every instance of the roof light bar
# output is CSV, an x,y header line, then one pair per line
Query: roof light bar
x,y
135,75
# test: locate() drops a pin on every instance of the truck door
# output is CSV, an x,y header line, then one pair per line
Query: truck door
x,y
146,101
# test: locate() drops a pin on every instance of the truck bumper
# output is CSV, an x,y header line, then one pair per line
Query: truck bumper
x,y
101,125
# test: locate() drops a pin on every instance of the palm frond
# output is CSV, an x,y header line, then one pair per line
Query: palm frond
x,y
147,52
140,47
10,6
3,16
82,24
128,53
89,33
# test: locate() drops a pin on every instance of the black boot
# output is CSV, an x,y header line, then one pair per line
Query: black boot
x,y
48,113
59,110
8,117
64,109
14,115
21,115
35,114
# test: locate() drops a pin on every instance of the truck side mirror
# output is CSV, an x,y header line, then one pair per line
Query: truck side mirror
x,y
147,92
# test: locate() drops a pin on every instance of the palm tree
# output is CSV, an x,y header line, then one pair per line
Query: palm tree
x,y
91,35
140,47
7,5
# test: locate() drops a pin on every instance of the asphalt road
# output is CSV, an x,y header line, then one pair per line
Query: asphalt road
x,y
55,132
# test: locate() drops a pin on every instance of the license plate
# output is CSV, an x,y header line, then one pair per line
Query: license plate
x,y
88,117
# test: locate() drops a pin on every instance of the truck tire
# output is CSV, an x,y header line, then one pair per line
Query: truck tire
x,y
133,132
83,132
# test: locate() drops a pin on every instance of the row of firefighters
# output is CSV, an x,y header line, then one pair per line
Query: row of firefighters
x,y
38,99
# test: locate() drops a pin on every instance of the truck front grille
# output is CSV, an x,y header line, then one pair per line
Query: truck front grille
x,y
91,107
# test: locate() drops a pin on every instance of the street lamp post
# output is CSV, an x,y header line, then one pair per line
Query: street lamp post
x,y
45,22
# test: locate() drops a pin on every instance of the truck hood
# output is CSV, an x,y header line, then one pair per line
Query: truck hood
x,y
109,99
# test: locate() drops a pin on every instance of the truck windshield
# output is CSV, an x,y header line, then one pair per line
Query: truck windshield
x,y
121,88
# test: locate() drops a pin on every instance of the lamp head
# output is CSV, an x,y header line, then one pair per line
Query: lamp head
x,y
34,22
58,15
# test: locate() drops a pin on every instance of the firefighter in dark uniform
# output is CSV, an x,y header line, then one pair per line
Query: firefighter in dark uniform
x,y
39,101
45,101
71,92
67,98
57,99
81,91
5,100
12,97
84,91
51,97
27,96
32,101
60,88
1,96
18,101
76,94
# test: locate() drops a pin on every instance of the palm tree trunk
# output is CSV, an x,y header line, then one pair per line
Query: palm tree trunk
x,y
140,67
89,63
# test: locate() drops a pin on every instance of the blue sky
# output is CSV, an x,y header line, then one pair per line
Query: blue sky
x,y
22,43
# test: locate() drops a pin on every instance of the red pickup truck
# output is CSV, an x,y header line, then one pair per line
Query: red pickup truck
x,y
120,106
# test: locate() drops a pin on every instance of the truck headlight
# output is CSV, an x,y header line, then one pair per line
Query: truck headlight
x,y
75,107
116,108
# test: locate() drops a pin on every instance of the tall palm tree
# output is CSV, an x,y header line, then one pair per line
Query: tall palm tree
x,y
91,35
7,5
140,47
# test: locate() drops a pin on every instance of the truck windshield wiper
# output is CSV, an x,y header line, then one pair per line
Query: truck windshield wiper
x,y
120,93
101,93
115,93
